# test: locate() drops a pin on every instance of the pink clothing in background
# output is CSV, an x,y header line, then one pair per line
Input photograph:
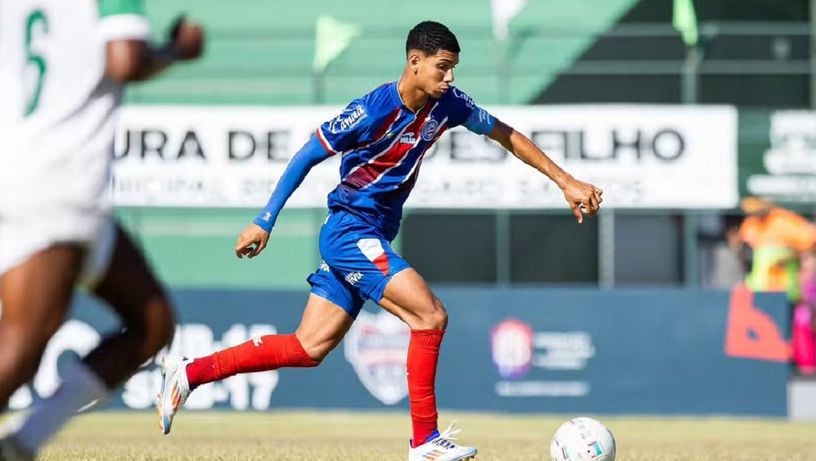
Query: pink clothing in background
x,y
803,341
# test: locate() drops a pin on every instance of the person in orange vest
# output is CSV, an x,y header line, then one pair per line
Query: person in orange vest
x,y
777,238
782,243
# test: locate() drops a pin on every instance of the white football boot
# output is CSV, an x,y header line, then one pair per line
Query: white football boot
x,y
174,390
442,448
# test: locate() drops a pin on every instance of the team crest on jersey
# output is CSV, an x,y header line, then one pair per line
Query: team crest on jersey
x,y
376,346
429,129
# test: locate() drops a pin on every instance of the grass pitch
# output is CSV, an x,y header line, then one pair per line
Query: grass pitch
x,y
340,436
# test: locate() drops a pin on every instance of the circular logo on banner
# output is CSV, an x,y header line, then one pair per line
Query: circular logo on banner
x,y
429,129
511,342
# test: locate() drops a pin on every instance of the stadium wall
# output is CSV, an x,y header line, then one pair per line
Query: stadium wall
x,y
634,351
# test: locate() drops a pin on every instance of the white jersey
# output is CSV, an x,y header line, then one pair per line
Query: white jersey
x,y
56,122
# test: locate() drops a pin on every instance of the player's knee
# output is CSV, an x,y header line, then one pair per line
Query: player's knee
x,y
435,317
440,319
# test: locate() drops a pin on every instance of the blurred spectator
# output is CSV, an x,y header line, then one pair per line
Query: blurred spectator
x,y
783,242
777,237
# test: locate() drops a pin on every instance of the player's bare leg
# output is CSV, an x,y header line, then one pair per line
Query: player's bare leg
x,y
131,289
35,297
408,297
147,321
321,329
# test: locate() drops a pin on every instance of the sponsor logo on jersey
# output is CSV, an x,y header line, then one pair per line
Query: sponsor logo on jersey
x,y
459,94
376,346
348,119
408,138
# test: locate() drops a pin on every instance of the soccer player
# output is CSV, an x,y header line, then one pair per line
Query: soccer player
x,y
381,139
63,67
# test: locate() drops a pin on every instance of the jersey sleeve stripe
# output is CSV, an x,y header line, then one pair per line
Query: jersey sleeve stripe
x,y
124,27
325,142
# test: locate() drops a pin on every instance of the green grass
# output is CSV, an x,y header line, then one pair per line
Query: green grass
x,y
339,436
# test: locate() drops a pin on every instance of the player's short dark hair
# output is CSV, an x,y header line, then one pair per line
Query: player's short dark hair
x,y
430,37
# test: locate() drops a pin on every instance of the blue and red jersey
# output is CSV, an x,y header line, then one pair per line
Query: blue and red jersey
x,y
382,143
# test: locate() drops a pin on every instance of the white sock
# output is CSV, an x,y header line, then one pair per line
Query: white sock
x,y
79,388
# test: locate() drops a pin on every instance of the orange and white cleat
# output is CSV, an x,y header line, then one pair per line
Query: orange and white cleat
x,y
442,448
174,390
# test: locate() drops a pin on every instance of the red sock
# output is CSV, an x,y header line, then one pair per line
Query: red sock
x,y
423,355
261,354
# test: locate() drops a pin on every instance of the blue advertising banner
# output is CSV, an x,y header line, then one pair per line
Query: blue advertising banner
x,y
660,351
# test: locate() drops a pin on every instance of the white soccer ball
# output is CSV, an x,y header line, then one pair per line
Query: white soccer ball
x,y
583,439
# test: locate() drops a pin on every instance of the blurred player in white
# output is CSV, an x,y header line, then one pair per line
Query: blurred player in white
x,y
63,67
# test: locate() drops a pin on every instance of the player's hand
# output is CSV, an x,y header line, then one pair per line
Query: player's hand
x,y
186,39
251,242
583,198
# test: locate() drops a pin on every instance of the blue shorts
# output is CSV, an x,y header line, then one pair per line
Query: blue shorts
x,y
358,262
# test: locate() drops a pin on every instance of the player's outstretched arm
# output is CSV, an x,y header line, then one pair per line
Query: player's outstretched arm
x,y
582,197
254,237
136,60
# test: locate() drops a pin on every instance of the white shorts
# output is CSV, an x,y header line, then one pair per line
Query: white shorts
x,y
23,234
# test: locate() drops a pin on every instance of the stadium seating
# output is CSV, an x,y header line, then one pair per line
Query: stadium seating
x,y
261,52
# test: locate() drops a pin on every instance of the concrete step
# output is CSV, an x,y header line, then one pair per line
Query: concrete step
x,y
802,398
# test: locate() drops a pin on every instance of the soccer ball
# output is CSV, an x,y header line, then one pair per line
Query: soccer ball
x,y
583,439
